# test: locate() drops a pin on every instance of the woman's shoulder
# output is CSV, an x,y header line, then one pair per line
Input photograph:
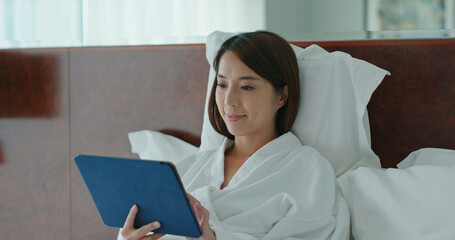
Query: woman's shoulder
x,y
298,156
290,142
311,159
308,152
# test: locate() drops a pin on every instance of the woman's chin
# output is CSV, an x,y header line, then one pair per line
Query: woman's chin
x,y
235,132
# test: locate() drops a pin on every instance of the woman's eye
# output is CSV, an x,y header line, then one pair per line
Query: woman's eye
x,y
220,85
247,88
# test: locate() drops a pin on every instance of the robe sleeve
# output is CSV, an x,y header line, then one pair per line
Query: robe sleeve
x,y
221,235
288,228
319,211
185,163
119,235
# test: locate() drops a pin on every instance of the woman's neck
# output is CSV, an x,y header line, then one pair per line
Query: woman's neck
x,y
245,146
242,149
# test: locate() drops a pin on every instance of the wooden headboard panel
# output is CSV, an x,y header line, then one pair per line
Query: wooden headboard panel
x,y
57,103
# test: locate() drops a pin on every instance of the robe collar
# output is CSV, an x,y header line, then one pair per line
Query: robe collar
x,y
284,142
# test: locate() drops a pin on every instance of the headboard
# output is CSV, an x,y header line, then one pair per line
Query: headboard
x,y
415,106
58,103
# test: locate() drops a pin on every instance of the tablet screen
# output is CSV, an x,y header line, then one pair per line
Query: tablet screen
x,y
116,184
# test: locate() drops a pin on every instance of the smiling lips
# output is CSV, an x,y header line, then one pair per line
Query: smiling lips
x,y
234,117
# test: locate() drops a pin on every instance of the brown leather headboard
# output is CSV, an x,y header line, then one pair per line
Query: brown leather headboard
x,y
57,103
415,106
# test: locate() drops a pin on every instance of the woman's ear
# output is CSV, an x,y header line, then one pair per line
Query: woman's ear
x,y
283,97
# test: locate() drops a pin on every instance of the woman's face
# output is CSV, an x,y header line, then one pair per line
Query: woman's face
x,y
247,102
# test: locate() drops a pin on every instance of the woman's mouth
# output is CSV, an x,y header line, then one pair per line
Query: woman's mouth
x,y
234,117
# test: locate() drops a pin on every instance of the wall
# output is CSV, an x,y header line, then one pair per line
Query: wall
x,y
58,103
324,19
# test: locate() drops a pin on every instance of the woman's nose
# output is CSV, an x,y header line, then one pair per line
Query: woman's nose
x,y
231,98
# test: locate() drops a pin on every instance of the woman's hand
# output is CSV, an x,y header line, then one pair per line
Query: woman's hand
x,y
203,217
130,233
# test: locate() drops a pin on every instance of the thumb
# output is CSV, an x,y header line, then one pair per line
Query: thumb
x,y
199,213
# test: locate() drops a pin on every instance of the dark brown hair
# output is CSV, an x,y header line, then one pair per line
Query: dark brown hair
x,y
271,57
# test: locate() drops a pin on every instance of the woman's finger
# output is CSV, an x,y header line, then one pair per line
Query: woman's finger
x,y
144,230
193,200
152,237
196,207
148,228
130,218
205,215
199,213
129,232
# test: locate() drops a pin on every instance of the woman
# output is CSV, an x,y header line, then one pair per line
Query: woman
x,y
261,183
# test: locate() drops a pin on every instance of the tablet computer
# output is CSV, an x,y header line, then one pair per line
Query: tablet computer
x,y
116,184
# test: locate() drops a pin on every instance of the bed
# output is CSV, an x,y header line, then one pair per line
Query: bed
x,y
58,103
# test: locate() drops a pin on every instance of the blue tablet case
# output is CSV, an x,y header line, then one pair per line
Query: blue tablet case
x,y
116,184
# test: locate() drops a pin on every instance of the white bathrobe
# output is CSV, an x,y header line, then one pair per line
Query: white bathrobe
x,y
283,191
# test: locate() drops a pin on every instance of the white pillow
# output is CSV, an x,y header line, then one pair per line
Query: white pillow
x,y
335,89
413,203
429,156
155,145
